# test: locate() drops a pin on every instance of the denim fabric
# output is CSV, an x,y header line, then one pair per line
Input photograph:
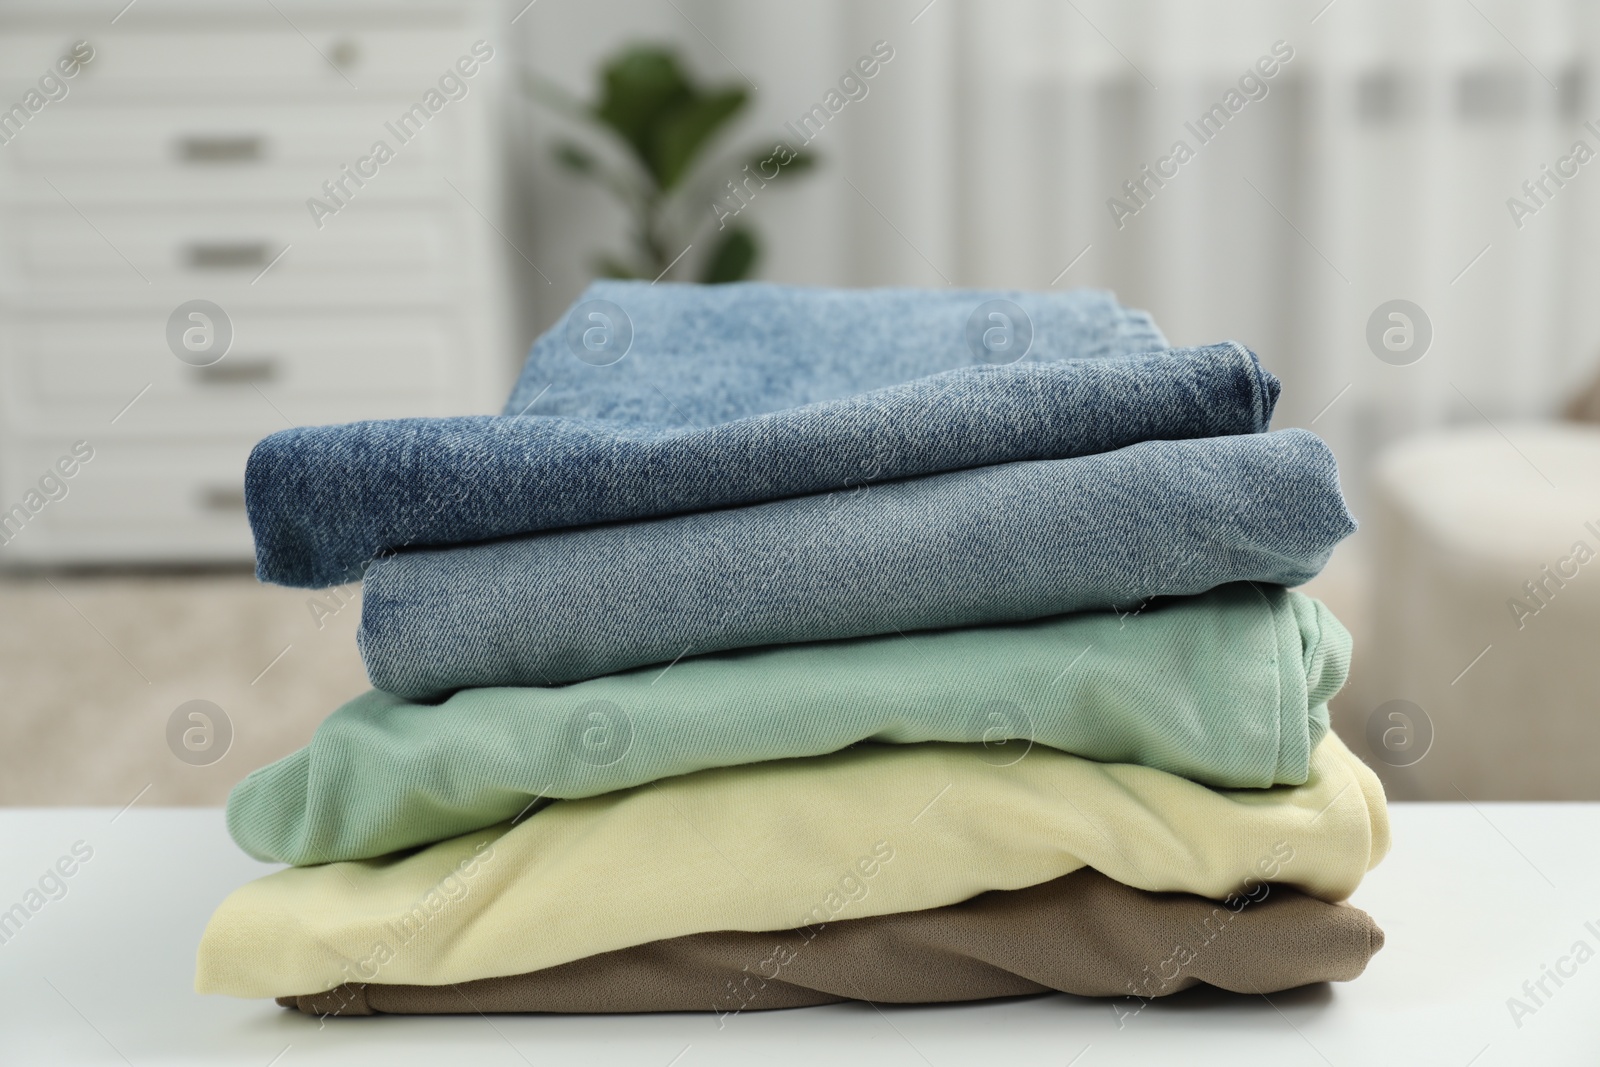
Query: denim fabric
x,y
707,354
1002,543
738,394
1228,689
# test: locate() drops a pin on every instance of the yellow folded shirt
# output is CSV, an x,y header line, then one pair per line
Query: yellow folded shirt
x,y
873,830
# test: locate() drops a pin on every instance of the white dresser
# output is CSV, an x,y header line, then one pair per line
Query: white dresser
x,y
227,152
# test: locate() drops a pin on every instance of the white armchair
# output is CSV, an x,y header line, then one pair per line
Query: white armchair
x,y
1485,614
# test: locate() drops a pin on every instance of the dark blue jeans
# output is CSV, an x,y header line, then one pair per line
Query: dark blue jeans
x,y
651,401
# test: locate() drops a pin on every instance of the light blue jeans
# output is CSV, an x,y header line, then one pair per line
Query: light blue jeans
x,y
1001,543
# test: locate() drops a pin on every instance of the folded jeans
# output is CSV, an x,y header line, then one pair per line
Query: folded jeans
x,y
1002,543
737,394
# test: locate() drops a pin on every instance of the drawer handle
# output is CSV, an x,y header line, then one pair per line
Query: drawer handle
x,y
229,498
206,148
227,255
240,370
344,53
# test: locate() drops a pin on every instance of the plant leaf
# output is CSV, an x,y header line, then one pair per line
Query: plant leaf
x,y
685,132
639,87
575,157
610,267
733,258
799,163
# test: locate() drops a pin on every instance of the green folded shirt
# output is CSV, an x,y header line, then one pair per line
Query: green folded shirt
x,y
1229,689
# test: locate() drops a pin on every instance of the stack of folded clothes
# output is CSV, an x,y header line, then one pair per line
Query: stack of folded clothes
x,y
778,646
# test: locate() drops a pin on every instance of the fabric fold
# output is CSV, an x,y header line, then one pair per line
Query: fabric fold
x,y
1082,933
730,395
873,830
1228,688
1003,543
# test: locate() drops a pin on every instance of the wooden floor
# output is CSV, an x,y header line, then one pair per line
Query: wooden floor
x,y
92,667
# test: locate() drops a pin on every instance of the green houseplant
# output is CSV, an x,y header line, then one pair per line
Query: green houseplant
x,y
661,125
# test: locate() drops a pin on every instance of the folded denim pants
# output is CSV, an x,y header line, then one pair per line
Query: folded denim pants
x,y
738,394
1002,543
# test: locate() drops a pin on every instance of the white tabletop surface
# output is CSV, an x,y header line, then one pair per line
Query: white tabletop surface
x,y
1475,900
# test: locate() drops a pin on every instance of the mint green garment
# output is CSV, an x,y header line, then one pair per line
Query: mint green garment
x,y
1229,688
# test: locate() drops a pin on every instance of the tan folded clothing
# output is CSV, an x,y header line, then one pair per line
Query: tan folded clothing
x,y
1082,933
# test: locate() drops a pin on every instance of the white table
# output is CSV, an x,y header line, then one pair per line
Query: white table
x,y
1474,901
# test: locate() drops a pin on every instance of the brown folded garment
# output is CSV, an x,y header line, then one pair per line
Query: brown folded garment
x,y
1083,933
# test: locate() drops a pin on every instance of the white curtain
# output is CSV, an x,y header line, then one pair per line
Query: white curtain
x,y
1377,167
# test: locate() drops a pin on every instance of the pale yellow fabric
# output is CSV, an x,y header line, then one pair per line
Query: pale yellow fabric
x,y
870,831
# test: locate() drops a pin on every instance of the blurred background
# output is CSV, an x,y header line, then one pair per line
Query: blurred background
x,y
1392,203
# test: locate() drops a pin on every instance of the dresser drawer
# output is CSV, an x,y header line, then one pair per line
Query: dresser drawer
x,y
178,166
301,51
281,368
222,143
342,52
203,245
132,501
